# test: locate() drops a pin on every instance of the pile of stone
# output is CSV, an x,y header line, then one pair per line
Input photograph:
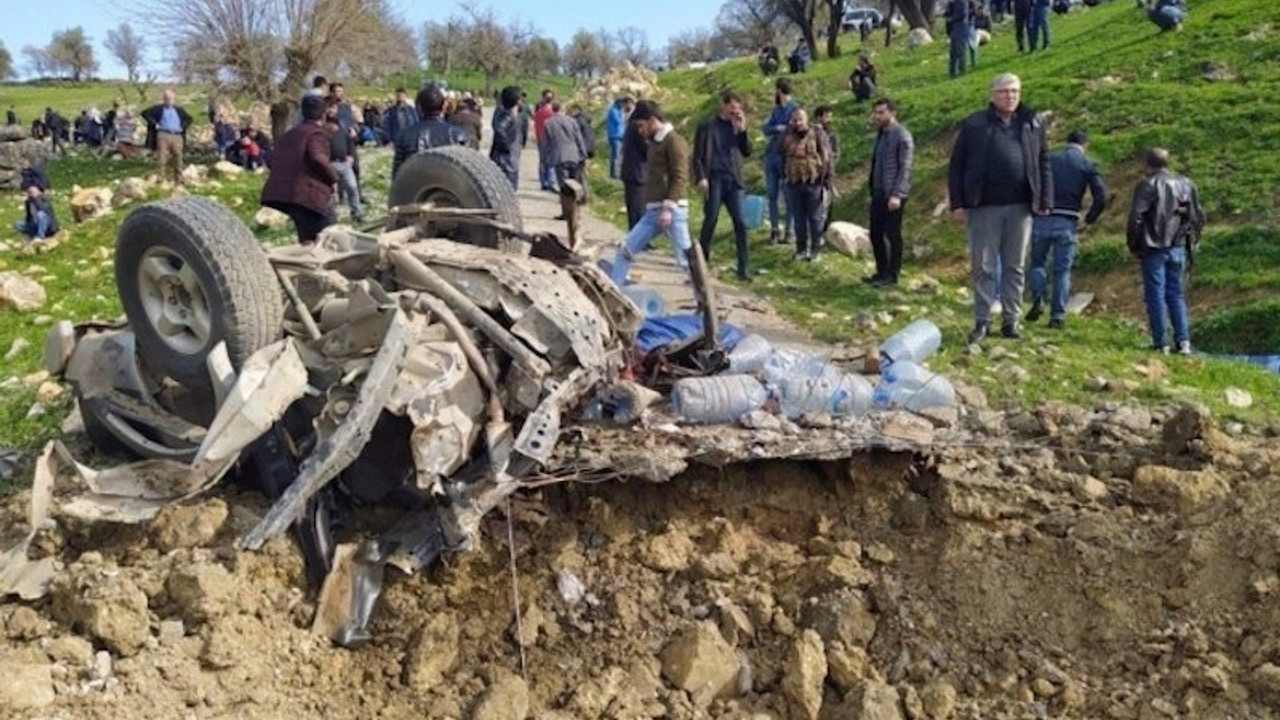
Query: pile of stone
x,y
16,150
626,79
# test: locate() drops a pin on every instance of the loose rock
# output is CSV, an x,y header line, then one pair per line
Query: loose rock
x,y
1182,491
25,686
432,652
700,662
90,203
507,698
189,526
19,292
806,670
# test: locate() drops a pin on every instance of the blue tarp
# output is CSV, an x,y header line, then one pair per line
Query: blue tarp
x,y
1270,362
660,331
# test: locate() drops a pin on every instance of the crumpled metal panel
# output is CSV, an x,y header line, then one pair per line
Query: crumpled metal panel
x,y
550,289
444,400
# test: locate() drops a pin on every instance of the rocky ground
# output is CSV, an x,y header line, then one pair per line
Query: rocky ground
x,y
1069,563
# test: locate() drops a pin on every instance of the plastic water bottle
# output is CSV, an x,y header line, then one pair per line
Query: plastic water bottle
x,y
647,299
837,395
909,386
717,399
913,343
782,364
749,355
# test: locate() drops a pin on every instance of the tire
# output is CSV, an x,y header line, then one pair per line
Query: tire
x,y
191,275
457,176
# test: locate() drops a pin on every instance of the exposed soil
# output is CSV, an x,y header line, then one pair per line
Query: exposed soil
x,y
1073,564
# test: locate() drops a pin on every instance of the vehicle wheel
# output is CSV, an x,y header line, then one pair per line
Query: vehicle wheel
x,y
117,437
456,176
191,275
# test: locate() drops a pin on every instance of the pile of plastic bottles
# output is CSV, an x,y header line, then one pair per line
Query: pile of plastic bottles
x,y
803,383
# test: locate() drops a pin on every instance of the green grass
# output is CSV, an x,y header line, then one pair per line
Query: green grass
x,y
1112,74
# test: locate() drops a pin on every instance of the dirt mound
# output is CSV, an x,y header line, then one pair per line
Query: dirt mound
x,y
1079,564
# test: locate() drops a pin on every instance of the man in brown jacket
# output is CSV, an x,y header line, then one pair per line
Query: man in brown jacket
x,y
302,181
665,192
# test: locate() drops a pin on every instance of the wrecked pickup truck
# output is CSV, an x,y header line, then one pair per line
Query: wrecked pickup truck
x,y
430,366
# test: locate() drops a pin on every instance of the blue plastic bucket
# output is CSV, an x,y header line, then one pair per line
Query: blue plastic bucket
x,y
753,211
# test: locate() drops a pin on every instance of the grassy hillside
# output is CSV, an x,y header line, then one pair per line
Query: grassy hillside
x,y
1207,93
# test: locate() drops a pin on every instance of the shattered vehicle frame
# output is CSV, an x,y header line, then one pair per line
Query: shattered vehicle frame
x,y
430,366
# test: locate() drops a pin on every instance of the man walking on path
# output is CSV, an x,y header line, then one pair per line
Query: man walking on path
x,y
1164,223
567,152
541,114
616,128
891,161
665,194
167,130
719,148
635,166
775,128
999,176
1073,175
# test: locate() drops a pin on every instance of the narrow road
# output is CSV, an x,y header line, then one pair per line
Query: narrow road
x,y
655,269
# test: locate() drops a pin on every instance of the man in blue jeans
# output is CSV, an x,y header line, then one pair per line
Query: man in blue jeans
x,y
1164,220
774,130
39,221
665,194
719,147
1073,175
1040,23
616,128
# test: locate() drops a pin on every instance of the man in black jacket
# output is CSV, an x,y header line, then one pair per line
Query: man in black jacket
x,y
1022,23
508,135
999,176
719,147
1073,175
1165,221
891,161
431,130
635,167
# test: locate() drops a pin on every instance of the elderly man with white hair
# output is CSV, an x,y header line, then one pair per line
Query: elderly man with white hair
x,y
999,177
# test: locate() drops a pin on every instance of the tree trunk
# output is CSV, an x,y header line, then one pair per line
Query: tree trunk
x,y
888,23
811,40
835,18
281,117
913,13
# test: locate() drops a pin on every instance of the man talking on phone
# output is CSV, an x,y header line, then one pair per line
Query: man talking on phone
x,y
719,147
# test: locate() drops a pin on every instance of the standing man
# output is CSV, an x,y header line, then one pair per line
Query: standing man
x,y
959,27
616,128
824,120
567,152
775,128
807,168
56,125
891,161
507,134
1164,222
399,116
341,160
1022,22
999,175
1040,23
541,114
302,182
665,194
468,117
719,147
167,130
1073,175
431,129
11,116
635,165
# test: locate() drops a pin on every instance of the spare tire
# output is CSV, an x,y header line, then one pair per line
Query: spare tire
x,y
191,275
456,176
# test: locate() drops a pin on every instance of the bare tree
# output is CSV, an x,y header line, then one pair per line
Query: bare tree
x,y
803,14
267,49
6,63
918,13
490,46
745,25
39,64
71,49
835,18
128,47
540,56
633,46
584,56
694,45
443,43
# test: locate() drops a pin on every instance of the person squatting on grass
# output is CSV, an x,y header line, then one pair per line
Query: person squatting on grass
x,y
1164,222
665,193
1056,233
999,176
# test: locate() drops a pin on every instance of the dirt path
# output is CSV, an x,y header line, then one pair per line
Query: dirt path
x,y
655,269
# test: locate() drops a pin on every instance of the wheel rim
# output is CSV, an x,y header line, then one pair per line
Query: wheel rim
x,y
174,300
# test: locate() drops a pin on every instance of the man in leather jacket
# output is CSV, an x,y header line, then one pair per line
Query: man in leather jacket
x,y
431,130
508,134
1164,222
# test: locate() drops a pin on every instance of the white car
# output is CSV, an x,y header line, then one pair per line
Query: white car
x,y
854,18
